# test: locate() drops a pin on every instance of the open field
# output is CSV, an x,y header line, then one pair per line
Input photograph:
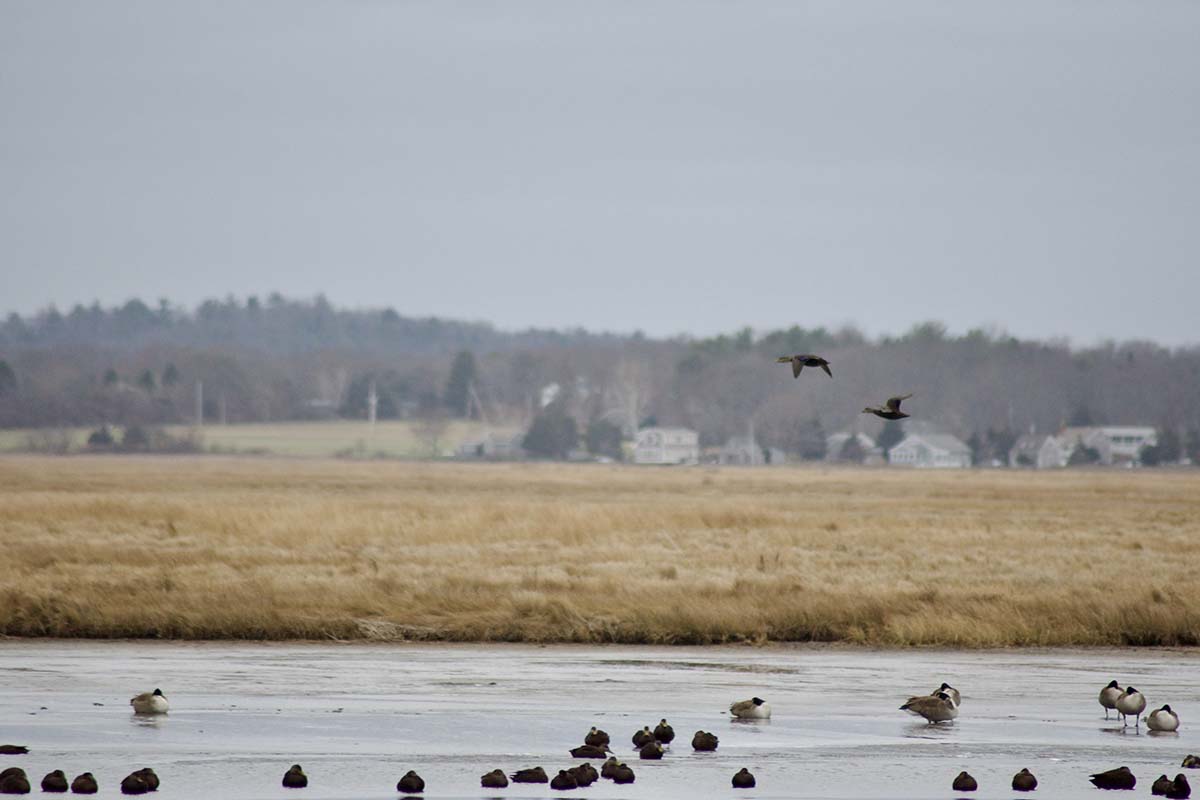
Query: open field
x,y
390,439
228,548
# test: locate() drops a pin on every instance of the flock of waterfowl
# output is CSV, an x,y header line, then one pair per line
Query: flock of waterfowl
x,y
940,705
889,410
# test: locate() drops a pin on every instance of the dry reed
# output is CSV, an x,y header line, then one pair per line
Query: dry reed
x,y
221,548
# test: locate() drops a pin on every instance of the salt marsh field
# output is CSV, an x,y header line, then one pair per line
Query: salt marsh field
x,y
358,716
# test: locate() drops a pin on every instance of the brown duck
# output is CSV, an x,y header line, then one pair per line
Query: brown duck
x,y
704,741
14,781
652,751
964,783
496,779
55,781
134,783
411,783
1179,788
1119,778
532,775
597,738
84,783
743,779
564,780
1160,786
584,774
803,360
640,738
890,409
295,778
1024,781
664,732
589,751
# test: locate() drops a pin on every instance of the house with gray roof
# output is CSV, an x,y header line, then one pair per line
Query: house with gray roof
x,y
931,450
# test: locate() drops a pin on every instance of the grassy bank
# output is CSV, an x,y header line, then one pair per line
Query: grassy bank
x,y
227,548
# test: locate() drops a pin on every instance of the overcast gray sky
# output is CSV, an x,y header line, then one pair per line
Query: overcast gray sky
x,y
669,166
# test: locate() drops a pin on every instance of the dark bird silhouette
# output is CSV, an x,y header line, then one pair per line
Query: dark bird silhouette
x,y
84,784
1180,788
55,781
14,781
890,409
149,777
664,732
641,737
1161,785
589,751
295,778
1191,762
597,738
622,773
608,766
411,783
954,694
13,749
651,751
1024,781
1119,778
704,741
496,779
564,780
743,779
964,783
802,360
585,774
134,783
531,775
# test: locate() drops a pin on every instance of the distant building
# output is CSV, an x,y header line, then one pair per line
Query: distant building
x,y
1040,450
746,451
1114,444
666,446
836,446
492,447
931,450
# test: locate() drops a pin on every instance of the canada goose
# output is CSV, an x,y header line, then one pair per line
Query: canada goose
x,y
754,708
14,781
664,732
1133,702
622,773
1179,788
704,741
149,777
743,779
1162,719
55,781
955,697
1161,784
641,737
13,750
564,780
938,708
597,738
652,751
584,774
803,360
890,410
134,783
964,783
84,784
589,751
1119,778
150,703
1109,695
1191,762
295,778
532,775
1024,781
411,783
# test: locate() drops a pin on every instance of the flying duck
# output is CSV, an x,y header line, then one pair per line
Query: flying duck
x,y
890,409
803,360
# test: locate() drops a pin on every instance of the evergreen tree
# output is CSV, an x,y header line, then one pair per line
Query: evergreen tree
x,y
170,376
8,378
811,440
604,439
146,380
891,435
553,433
463,374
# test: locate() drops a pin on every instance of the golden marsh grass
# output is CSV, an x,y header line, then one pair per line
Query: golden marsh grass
x,y
273,549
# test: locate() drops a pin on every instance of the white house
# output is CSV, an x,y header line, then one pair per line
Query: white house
x,y
666,446
930,450
1040,450
1116,444
492,447
746,451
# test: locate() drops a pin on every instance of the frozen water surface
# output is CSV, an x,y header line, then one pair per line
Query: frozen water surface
x,y
358,716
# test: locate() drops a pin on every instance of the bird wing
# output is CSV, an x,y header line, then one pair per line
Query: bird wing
x,y
893,403
825,366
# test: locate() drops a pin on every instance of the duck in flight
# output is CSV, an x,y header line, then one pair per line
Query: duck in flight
x,y
890,410
803,360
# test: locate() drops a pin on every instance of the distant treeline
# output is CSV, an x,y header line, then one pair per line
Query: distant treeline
x,y
282,359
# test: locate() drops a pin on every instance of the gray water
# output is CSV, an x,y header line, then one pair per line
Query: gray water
x,y
358,716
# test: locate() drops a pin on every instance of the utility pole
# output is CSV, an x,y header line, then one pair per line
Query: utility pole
x,y
372,406
199,404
